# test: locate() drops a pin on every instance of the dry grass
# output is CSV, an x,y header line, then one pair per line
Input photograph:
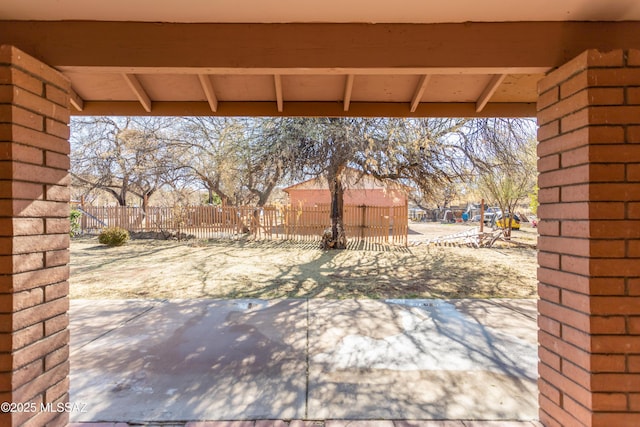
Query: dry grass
x,y
248,269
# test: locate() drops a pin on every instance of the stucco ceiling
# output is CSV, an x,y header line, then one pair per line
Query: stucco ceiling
x,y
364,11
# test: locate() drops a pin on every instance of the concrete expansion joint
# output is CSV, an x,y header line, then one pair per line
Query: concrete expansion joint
x,y
286,363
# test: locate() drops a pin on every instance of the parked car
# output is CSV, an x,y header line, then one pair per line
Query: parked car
x,y
488,216
490,213
503,222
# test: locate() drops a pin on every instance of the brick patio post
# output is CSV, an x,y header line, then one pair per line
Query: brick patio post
x,y
34,238
589,246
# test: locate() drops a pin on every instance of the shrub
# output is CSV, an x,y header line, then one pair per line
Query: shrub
x,y
113,236
74,217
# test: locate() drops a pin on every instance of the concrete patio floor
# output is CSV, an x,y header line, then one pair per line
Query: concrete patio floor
x,y
183,362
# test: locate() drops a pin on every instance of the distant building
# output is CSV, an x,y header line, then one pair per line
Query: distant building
x,y
359,190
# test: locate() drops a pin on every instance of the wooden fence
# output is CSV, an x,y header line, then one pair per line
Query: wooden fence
x,y
375,224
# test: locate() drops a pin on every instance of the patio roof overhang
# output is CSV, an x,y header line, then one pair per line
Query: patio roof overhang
x,y
241,58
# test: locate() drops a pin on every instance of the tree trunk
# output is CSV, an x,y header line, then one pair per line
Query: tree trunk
x,y
262,201
145,203
507,230
338,238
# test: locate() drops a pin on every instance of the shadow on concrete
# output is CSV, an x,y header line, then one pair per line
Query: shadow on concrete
x,y
416,360
198,359
304,359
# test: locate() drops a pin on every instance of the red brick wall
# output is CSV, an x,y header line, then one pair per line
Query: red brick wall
x,y
34,238
589,246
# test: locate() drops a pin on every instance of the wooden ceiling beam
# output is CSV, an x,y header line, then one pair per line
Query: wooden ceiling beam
x,y
313,46
278,85
489,90
207,87
417,95
138,91
335,71
76,101
309,109
348,89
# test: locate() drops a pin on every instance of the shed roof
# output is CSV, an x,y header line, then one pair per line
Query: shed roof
x,y
352,179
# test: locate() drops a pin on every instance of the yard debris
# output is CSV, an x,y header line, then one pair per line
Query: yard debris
x,y
328,241
471,238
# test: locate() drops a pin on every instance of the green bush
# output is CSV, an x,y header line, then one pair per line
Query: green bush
x,y
74,216
113,236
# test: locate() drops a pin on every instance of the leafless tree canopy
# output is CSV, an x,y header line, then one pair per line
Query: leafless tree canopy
x,y
123,156
240,161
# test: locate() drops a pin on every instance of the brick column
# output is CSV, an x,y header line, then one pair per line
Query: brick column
x,y
34,238
589,246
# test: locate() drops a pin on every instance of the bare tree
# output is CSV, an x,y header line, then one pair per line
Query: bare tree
x,y
209,154
241,160
439,197
325,147
426,154
511,179
442,158
429,154
122,156
266,158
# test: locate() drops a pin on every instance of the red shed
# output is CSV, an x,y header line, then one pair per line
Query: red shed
x,y
359,190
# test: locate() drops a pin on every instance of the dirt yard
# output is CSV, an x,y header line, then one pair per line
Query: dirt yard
x,y
249,269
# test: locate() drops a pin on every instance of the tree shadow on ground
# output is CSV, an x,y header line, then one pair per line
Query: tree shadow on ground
x,y
277,269
381,274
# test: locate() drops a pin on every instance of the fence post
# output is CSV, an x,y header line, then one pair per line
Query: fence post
x,y
405,222
83,219
363,220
